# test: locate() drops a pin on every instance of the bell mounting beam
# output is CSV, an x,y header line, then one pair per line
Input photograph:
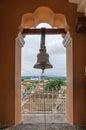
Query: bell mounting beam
x,y
47,31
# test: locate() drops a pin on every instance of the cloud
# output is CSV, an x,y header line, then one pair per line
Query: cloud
x,y
54,45
55,49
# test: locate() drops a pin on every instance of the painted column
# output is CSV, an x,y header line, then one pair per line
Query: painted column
x,y
67,42
18,45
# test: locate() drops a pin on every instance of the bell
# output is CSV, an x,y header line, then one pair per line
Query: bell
x,y
43,61
43,57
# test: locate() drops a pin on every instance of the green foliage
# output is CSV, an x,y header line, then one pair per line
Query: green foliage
x,y
54,84
31,86
28,87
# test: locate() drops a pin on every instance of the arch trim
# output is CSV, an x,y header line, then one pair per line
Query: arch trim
x,y
43,14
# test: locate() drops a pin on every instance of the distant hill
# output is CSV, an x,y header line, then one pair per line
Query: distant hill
x,y
45,77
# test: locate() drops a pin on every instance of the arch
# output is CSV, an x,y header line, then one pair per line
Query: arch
x,y
27,21
56,20
43,14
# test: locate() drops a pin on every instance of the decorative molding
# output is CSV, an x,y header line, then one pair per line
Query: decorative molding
x,y
43,14
81,5
67,39
20,40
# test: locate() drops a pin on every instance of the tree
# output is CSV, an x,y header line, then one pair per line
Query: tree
x,y
54,84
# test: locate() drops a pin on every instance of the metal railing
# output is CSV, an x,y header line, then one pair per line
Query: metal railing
x,y
41,101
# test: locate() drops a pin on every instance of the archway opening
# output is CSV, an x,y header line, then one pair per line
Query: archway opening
x,y
30,76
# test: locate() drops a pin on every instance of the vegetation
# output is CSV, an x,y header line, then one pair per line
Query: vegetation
x,y
32,85
54,85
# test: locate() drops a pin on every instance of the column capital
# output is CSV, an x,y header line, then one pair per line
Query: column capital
x,y
67,39
20,40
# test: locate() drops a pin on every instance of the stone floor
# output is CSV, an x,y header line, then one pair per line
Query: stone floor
x,y
49,126
40,118
44,122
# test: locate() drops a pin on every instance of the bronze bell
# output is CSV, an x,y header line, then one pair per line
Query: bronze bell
x,y
43,57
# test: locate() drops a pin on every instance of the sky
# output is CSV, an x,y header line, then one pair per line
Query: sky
x,y
55,49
